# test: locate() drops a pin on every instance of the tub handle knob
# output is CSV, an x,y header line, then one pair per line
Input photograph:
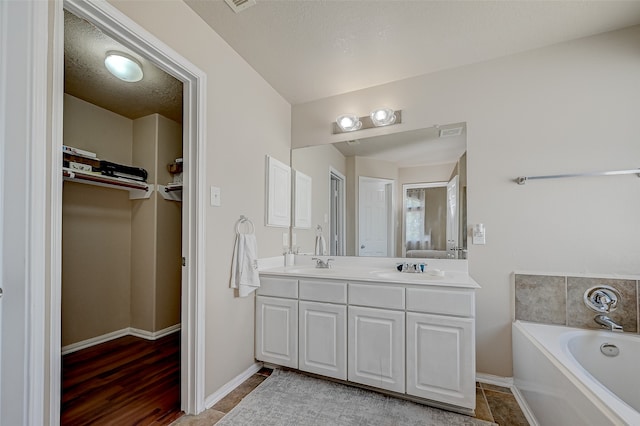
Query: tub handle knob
x,y
602,298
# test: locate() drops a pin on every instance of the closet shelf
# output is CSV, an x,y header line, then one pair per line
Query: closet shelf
x,y
171,191
137,190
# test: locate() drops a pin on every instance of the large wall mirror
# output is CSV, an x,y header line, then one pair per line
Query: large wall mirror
x,y
396,195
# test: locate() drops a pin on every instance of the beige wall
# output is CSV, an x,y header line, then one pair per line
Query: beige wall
x,y
316,162
425,174
246,120
156,229
121,258
95,129
143,228
169,230
96,231
566,108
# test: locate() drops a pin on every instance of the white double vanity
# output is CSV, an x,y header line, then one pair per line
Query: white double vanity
x,y
364,322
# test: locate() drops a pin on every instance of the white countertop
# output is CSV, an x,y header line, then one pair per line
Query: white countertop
x,y
380,271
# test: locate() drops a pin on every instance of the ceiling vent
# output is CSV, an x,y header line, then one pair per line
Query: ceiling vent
x,y
454,131
239,5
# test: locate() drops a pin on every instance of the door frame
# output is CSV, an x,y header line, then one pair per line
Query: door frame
x,y
119,26
341,211
24,204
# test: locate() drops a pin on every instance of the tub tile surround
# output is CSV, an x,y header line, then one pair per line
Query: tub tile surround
x,y
558,300
541,298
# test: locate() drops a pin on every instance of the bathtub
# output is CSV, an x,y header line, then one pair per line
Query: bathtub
x,y
566,380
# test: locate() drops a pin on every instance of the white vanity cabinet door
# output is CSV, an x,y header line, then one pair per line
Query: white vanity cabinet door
x,y
376,348
441,359
277,331
323,339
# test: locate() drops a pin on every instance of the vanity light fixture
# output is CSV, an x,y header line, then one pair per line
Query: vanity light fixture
x,y
383,117
378,118
123,66
349,122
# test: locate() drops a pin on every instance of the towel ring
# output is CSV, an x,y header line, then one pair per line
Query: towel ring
x,y
244,219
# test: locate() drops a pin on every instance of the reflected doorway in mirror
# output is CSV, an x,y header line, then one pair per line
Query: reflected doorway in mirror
x,y
376,217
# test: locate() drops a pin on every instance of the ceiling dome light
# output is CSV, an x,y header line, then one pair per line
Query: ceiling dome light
x,y
123,66
383,117
349,122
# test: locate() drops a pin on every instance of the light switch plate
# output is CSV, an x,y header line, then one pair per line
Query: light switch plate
x,y
215,196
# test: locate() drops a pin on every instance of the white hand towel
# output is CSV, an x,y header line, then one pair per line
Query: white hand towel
x,y
244,266
321,246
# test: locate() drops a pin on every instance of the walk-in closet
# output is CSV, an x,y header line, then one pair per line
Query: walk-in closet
x,y
121,237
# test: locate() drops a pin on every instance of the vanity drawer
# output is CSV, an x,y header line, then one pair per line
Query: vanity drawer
x,y
444,301
376,296
323,291
278,287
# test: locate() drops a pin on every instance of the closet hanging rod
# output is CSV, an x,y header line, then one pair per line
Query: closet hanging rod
x,y
521,180
173,188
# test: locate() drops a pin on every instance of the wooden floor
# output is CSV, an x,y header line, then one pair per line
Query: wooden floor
x,y
127,381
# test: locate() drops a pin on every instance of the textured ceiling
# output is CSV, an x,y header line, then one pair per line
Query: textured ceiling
x,y
87,78
309,50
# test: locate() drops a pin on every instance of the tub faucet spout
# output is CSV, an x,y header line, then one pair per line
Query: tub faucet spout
x,y
607,322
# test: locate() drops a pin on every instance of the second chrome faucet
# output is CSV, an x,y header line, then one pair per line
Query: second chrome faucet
x,y
323,264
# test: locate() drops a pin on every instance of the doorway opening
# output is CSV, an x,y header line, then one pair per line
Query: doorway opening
x,y
376,217
190,259
121,245
337,215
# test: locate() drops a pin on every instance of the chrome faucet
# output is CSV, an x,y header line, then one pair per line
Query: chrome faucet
x,y
606,322
323,264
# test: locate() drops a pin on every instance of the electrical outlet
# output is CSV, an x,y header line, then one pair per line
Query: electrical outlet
x,y
478,234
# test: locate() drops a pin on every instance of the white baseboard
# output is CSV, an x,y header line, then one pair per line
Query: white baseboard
x,y
528,414
212,399
505,382
129,331
84,344
153,335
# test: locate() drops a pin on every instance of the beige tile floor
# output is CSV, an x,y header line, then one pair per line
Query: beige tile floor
x,y
493,403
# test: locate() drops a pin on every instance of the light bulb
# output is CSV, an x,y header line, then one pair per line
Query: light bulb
x,y
123,66
349,122
383,117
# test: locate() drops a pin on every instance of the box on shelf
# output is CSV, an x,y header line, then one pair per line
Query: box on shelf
x,y
67,159
108,168
77,151
175,168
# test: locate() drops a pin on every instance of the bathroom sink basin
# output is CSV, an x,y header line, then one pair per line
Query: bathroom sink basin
x,y
408,276
310,270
